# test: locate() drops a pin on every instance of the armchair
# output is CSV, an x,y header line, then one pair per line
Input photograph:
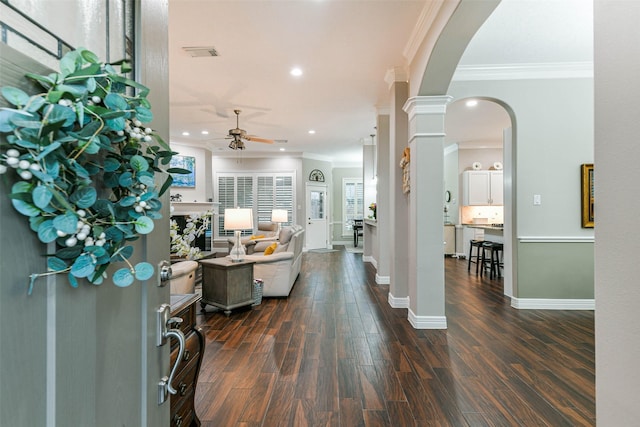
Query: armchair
x,y
266,231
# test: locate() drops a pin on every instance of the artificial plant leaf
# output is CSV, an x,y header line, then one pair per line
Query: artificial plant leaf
x,y
89,56
139,163
144,271
144,114
179,171
25,208
72,281
59,113
90,129
83,266
35,103
126,179
69,253
146,179
47,150
144,225
115,102
123,253
116,124
123,277
166,185
84,197
41,196
15,96
67,223
127,201
75,90
56,264
6,122
111,164
35,221
45,81
47,232
114,234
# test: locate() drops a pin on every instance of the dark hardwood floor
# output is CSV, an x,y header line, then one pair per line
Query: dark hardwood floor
x,y
335,354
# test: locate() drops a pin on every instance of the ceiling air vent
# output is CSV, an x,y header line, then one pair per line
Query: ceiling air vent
x,y
280,141
200,51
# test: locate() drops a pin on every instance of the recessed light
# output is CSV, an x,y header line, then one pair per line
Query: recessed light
x,y
471,103
185,133
296,72
312,131
282,149
205,132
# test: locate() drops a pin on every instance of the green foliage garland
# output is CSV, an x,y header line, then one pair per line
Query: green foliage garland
x,y
83,168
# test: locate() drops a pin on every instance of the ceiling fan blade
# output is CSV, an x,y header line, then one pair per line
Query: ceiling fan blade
x,y
253,138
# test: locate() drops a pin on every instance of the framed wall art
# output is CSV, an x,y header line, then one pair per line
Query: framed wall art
x,y
188,163
587,195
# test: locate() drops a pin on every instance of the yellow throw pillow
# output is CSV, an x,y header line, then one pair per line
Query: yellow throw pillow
x,y
272,247
260,236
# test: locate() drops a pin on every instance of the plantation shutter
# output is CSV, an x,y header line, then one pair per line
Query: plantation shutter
x,y
265,198
259,191
353,202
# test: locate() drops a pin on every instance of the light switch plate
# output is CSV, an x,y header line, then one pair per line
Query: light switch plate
x,y
537,199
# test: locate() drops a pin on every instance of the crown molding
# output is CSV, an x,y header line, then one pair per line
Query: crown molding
x,y
424,24
396,74
525,71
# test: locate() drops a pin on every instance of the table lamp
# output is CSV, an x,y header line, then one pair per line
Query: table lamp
x,y
238,219
279,216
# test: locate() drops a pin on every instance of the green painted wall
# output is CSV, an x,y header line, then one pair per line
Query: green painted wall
x,y
556,270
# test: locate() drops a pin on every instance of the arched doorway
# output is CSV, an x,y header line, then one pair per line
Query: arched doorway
x,y
480,133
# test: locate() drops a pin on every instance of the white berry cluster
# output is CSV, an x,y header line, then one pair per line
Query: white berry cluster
x,y
83,233
136,131
23,167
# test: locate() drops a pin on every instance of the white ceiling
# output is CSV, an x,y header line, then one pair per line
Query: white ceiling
x,y
345,48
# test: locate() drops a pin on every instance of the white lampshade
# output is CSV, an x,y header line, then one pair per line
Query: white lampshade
x,y
238,219
279,215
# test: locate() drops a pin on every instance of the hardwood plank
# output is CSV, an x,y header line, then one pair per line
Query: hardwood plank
x,y
334,353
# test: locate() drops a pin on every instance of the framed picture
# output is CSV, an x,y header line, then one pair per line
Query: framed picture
x,y
184,162
587,195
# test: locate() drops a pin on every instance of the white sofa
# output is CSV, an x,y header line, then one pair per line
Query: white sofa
x,y
279,270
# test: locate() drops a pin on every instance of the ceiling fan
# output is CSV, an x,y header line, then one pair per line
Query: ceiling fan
x,y
237,136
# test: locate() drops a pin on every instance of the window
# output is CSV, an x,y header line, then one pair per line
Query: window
x,y
352,203
262,192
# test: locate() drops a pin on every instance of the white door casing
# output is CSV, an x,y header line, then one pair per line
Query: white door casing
x,y
317,222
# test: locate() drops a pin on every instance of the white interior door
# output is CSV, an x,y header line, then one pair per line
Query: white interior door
x,y
316,231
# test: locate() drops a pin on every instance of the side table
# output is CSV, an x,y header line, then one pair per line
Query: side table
x,y
226,284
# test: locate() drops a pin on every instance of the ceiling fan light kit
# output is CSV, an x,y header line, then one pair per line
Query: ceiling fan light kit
x,y
237,135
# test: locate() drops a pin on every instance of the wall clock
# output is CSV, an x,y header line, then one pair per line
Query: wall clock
x,y
316,175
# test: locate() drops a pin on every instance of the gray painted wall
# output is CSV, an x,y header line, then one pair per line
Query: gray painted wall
x,y
554,136
617,151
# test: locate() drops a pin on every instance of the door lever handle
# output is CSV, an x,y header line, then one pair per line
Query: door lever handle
x,y
166,330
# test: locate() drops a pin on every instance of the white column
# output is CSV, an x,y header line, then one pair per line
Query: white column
x,y
385,237
426,198
398,201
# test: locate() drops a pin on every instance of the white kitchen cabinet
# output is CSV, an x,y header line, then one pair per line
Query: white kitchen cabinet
x,y
482,188
449,239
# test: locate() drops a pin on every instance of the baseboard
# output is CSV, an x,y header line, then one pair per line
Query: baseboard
x,y
383,280
369,258
427,322
552,304
398,302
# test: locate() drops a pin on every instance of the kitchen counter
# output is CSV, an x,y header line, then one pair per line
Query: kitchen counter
x,y
484,226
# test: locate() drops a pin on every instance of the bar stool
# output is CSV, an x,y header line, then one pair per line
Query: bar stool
x,y
491,258
485,259
496,259
478,245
